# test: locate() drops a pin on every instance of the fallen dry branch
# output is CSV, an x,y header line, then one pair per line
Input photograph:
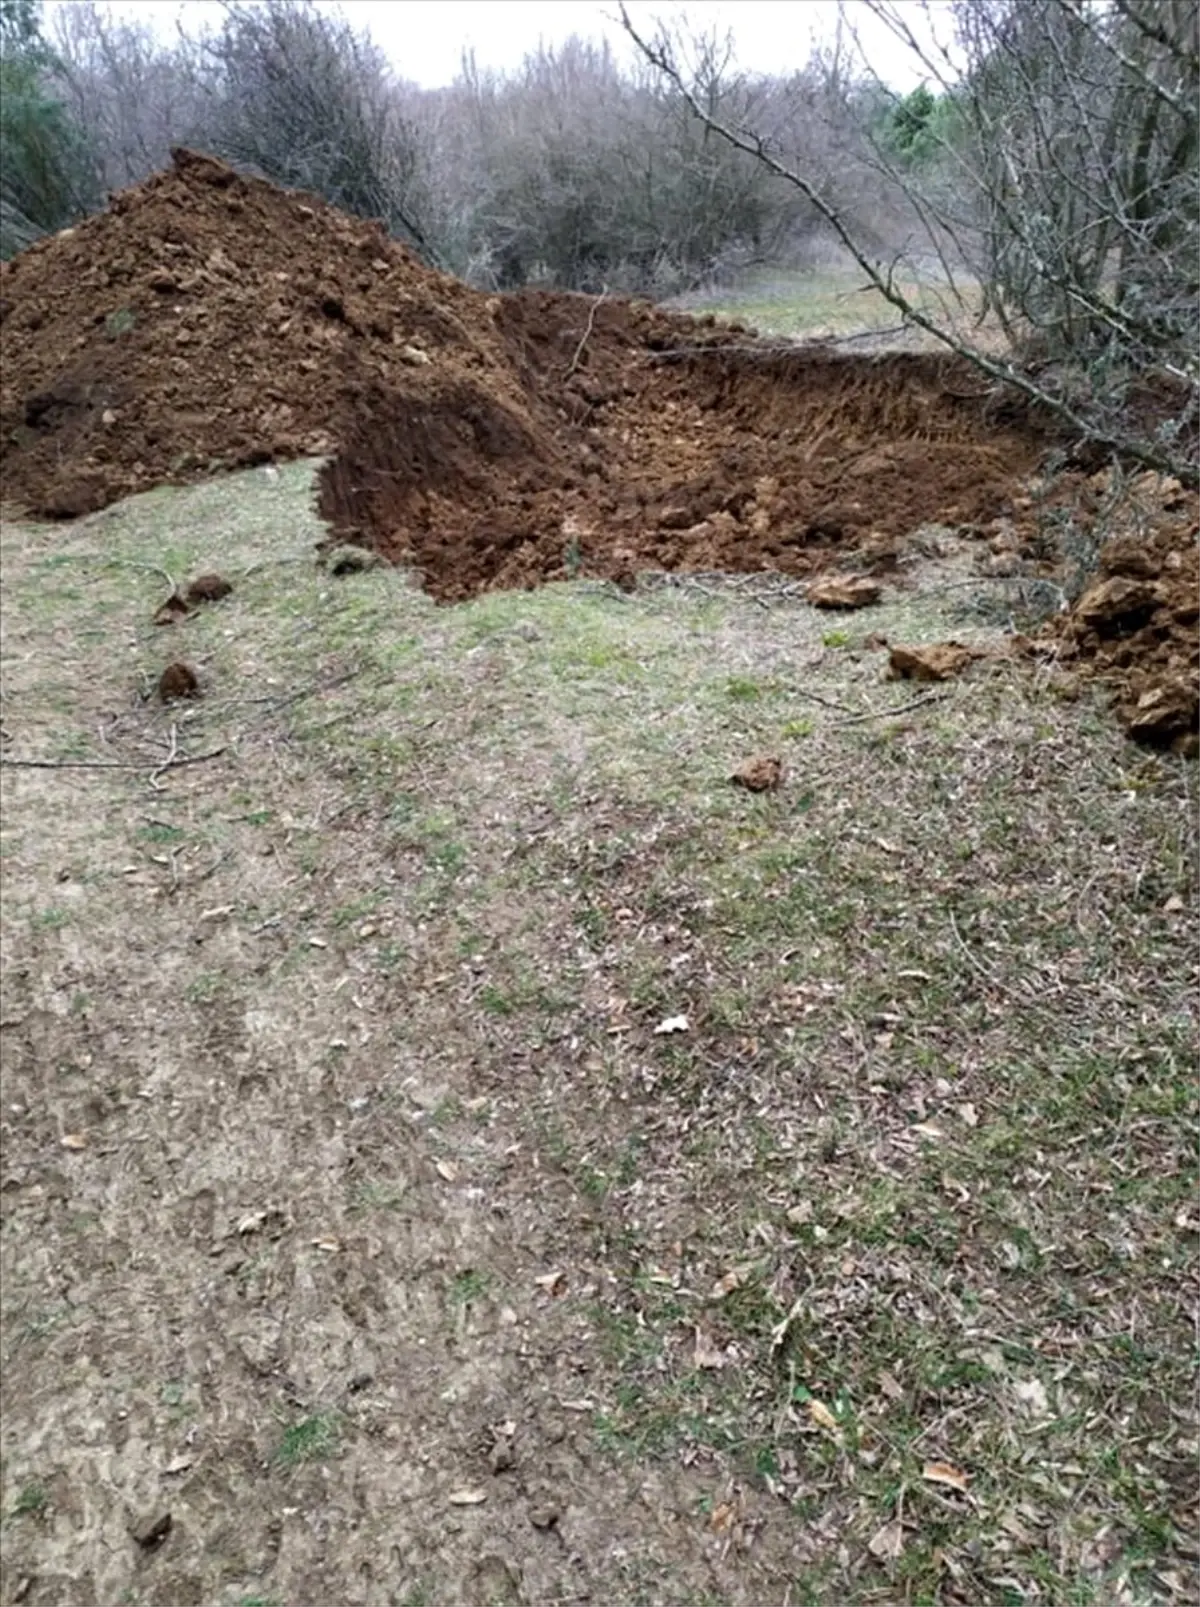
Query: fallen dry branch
x,y
112,764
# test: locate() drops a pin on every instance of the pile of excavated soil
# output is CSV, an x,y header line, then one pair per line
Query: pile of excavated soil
x,y
209,320
1138,626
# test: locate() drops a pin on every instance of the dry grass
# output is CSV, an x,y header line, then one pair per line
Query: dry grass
x,y
390,1196
832,300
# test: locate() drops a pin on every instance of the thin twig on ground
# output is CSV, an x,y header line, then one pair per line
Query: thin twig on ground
x,y
591,320
306,691
111,764
899,708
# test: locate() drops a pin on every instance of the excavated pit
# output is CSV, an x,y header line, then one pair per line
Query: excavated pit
x,y
209,321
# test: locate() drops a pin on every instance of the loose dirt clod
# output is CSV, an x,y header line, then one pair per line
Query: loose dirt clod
x,y
172,611
761,774
934,663
843,592
208,589
150,1530
1136,628
177,681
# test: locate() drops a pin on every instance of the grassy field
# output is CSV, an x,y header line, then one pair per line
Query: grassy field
x,y
458,1149
832,300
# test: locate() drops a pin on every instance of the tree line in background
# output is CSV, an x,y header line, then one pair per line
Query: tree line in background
x,y
568,171
1049,163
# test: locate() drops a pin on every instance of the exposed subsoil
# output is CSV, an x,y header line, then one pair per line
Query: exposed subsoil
x,y
210,320
1136,626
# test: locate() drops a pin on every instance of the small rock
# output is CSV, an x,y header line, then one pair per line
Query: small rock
x,y
1000,565
350,560
543,1517
1164,713
1118,606
208,589
503,1454
761,774
151,1529
172,611
843,592
178,681
935,663
874,641
414,356
1128,556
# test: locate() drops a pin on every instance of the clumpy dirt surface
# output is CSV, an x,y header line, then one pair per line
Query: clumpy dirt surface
x,y
1135,626
460,1148
209,319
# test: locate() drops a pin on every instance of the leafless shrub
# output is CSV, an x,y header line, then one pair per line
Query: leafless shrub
x,y
1065,181
131,94
297,95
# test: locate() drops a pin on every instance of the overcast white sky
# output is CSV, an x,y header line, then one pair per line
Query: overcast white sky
x,y
425,39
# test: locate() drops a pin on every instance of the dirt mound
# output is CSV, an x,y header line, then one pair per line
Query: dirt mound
x,y
1138,626
209,320
212,320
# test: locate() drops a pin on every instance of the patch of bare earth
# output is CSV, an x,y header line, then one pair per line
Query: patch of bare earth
x,y
460,1149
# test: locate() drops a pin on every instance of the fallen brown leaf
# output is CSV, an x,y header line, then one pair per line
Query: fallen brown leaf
x,y
707,1353
887,1543
822,1416
731,1280
945,1473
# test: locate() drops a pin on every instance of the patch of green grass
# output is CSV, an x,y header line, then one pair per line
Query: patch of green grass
x,y
468,1286
31,1500
51,920
205,988
378,1196
742,689
309,1439
357,909
829,298
924,1158
156,831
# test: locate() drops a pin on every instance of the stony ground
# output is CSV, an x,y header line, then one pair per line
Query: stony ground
x,y
459,1149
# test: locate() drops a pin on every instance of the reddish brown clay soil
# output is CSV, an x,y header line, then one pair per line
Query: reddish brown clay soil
x,y
729,457
1137,626
209,320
